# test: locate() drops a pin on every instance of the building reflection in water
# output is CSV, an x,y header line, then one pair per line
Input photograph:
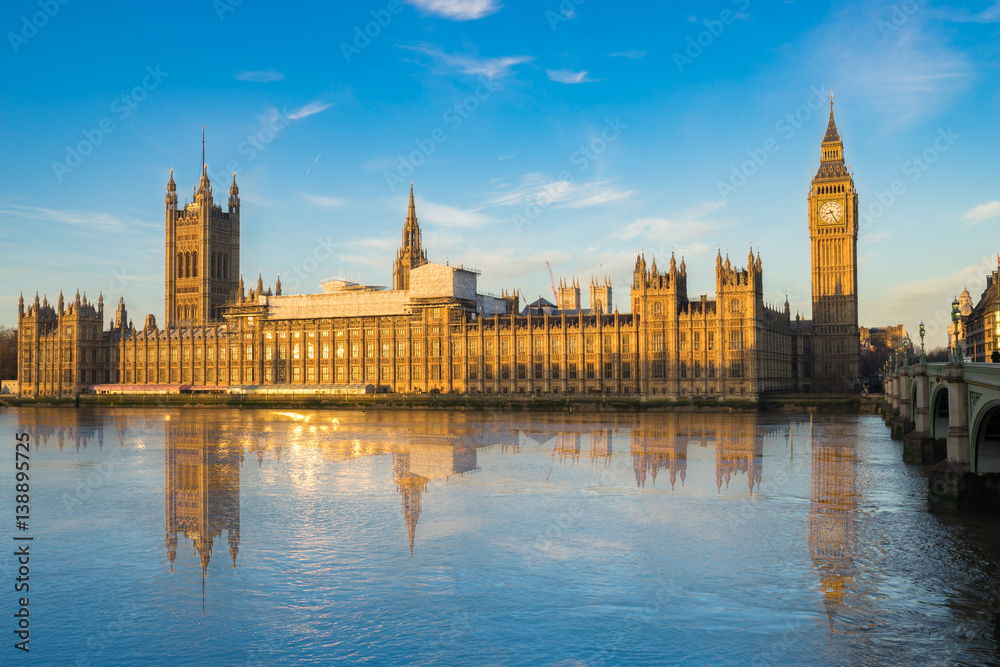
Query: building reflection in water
x,y
662,444
831,518
202,489
204,452
80,427
415,465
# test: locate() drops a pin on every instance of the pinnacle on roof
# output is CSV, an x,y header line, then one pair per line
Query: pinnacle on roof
x,y
411,213
831,128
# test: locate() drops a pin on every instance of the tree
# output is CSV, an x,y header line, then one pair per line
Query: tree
x,y
8,353
939,354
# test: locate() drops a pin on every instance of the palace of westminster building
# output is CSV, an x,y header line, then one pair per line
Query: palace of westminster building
x,y
434,332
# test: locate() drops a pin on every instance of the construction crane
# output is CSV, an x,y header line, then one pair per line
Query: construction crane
x,y
552,279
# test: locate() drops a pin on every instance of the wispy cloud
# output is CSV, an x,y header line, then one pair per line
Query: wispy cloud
x,y
912,73
89,219
467,64
325,202
989,15
631,55
537,189
506,157
440,215
457,10
986,211
310,109
691,223
569,76
263,76
367,251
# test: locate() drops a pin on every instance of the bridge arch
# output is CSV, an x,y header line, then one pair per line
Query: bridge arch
x,y
985,454
939,411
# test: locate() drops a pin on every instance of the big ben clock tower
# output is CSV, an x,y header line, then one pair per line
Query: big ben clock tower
x,y
833,232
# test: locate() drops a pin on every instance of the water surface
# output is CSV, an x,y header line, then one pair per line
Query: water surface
x,y
202,536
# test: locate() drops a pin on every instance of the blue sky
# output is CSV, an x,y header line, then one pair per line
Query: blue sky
x,y
573,133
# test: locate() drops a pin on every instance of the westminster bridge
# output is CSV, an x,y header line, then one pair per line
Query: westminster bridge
x,y
948,414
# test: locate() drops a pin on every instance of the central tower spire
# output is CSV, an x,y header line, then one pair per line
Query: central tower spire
x,y
411,254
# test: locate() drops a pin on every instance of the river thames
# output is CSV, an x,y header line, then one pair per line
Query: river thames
x,y
216,536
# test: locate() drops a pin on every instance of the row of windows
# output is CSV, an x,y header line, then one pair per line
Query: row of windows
x,y
187,265
734,306
697,370
735,341
367,373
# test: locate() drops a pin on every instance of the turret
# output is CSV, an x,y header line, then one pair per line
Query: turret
x,y
171,193
61,304
234,196
100,306
121,316
277,286
20,305
260,284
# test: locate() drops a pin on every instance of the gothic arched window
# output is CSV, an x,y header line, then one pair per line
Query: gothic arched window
x,y
194,264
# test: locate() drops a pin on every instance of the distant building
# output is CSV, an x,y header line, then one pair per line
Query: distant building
x,y
965,321
890,337
979,325
435,332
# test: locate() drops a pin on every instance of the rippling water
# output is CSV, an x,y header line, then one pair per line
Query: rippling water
x,y
239,537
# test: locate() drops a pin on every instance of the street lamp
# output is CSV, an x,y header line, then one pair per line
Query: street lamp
x,y
923,357
955,355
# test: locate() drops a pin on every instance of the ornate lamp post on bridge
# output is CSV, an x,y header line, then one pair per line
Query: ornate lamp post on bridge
x,y
923,356
956,356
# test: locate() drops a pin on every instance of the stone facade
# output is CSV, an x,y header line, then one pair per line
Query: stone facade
x,y
434,331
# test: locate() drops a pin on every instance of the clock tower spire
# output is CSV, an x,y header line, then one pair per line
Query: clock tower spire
x,y
833,232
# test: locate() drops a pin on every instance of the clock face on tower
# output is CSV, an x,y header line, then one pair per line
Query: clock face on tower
x,y
831,212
